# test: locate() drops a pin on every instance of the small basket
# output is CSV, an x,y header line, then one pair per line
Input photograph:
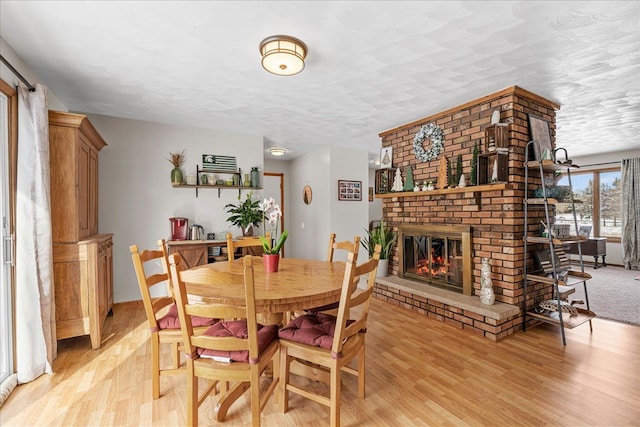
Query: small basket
x,y
560,231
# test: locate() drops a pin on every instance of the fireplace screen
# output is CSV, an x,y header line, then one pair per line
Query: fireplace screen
x,y
439,256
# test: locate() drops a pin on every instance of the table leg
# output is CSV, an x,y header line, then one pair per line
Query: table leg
x,y
596,266
604,263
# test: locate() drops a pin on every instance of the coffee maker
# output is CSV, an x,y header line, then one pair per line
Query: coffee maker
x,y
179,228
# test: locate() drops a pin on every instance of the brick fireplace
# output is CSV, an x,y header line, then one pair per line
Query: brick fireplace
x,y
493,213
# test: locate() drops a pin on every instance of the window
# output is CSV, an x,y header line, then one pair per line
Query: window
x,y
599,192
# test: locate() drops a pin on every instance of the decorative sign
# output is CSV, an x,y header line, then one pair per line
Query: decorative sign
x,y
212,162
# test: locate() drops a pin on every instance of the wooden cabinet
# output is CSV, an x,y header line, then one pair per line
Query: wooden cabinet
x,y
73,146
196,252
83,274
595,247
82,258
193,254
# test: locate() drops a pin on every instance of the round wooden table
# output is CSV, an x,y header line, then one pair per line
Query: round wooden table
x,y
298,284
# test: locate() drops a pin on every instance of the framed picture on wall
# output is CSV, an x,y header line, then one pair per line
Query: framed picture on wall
x,y
539,132
386,157
349,190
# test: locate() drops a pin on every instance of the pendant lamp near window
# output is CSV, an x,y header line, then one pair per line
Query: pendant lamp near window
x,y
283,55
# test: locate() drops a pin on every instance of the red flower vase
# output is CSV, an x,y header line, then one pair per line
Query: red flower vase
x,y
271,262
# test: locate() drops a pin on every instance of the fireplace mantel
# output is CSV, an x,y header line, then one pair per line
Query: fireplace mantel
x,y
469,189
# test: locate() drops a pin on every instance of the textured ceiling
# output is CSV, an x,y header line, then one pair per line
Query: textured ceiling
x,y
372,65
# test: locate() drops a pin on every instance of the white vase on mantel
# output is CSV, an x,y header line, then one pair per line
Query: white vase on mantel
x,y
487,296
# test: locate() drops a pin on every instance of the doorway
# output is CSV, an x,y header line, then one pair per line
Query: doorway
x,y
6,261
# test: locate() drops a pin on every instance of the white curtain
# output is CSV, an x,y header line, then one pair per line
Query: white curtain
x,y
36,345
631,213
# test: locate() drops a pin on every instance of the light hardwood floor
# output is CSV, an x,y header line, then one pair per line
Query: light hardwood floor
x,y
419,372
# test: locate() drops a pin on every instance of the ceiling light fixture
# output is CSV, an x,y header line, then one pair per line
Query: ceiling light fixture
x,y
277,151
283,55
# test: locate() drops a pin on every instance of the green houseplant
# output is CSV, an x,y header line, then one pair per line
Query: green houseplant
x,y
246,214
384,236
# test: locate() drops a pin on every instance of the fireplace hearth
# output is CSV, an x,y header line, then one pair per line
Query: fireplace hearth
x,y
436,255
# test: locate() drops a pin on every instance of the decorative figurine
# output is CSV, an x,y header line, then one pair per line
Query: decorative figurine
x,y
408,182
442,173
397,181
487,296
462,182
494,175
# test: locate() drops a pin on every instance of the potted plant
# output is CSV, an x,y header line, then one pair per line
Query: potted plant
x,y
271,214
177,160
245,214
386,238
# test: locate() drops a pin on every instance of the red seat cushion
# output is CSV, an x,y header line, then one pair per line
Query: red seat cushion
x,y
311,329
238,329
171,320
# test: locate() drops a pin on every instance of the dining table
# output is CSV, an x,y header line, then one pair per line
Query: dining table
x,y
297,285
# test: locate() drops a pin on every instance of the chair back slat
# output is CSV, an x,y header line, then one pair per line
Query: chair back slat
x,y
216,311
245,242
345,245
220,343
349,299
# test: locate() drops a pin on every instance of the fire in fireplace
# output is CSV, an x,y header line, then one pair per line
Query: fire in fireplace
x,y
436,255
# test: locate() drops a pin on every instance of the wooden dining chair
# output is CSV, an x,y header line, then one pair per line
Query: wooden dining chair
x,y
164,324
232,351
344,245
245,242
348,247
330,343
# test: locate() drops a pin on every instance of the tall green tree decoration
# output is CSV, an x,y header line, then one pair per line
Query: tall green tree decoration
x,y
449,174
458,170
408,182
474,165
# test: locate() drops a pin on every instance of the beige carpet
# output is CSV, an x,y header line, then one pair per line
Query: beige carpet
x,y
614,293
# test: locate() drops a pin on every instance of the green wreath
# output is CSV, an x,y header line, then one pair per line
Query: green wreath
x,y
433,132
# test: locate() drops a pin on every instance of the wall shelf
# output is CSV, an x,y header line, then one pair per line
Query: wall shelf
x,y
219,187
198,186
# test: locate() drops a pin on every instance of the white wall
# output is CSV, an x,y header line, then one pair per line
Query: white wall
x,y
614,250
31,76
348,218
136,198
310,224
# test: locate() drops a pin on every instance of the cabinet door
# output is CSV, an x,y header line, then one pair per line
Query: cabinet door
x,y
93,192
193,255
83,188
